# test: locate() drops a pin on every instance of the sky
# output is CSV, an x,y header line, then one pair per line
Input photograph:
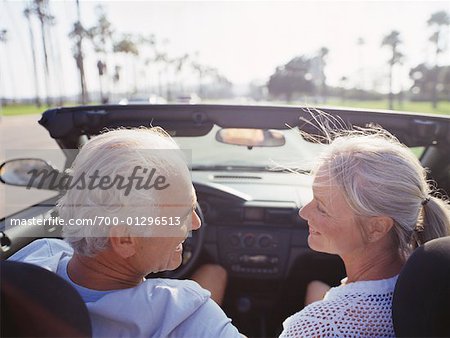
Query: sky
x,y
244,40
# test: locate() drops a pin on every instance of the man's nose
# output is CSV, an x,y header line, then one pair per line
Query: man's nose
x,y
196,221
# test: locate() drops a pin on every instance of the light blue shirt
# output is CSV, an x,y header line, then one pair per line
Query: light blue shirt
x,y
155,308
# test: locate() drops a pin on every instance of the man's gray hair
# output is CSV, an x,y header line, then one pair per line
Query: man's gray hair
x,y
115,153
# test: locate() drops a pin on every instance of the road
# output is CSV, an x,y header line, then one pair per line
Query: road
x,y
22,136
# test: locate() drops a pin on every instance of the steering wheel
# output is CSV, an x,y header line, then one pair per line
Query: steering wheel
x,y
192,247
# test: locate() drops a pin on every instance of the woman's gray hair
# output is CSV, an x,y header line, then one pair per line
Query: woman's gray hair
x,y
379,176
115,153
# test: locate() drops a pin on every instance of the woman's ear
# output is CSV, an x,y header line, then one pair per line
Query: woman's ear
x,y
378,227
122,243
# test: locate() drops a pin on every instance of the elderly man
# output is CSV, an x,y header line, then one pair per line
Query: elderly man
x,y
135,188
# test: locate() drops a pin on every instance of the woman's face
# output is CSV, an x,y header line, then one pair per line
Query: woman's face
x,y
332,223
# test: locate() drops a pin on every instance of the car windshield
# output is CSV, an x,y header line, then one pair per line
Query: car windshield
x,y
209,154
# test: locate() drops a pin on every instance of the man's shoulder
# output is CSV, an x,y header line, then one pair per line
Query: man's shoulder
x,y
206,318
192,312
40,249
160,292
176,288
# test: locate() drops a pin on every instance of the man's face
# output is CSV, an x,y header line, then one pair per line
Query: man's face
x,y
164,253
163,249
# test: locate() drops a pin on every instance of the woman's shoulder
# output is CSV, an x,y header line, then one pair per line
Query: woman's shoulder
x,y
362,288
348,308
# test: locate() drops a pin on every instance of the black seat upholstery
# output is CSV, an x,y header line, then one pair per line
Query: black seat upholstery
x,y
38,303
421,303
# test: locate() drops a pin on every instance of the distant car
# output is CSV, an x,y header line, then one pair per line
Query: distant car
x,y
189,98
152,99
241,156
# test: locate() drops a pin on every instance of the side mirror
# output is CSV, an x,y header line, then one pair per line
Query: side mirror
x,y
30,172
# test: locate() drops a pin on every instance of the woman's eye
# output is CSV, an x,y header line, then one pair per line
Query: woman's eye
x,y
320,209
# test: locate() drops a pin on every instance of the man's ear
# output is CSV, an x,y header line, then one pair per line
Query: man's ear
x,y
122,243
378,227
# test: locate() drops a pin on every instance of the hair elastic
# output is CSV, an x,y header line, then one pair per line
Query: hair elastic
x,y
425,201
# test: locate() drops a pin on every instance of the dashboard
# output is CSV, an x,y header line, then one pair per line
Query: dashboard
x,y
253,228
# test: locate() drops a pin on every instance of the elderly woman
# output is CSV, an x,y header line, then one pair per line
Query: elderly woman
x,y
371,205
130,207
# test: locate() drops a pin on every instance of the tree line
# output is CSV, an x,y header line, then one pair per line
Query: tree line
x,y
304,75
141,54
138,53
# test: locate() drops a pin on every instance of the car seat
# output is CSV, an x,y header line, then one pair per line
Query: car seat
x,y
421,303
38,303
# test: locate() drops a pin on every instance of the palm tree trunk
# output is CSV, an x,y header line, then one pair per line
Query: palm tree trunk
x,y
35,73
434,89
80,65
434,97
100,68
134,61
160,83
47,72
104,78
57,66
391,95
102,98
80,61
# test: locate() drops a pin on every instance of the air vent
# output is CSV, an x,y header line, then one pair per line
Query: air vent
x,y
280,215
236,177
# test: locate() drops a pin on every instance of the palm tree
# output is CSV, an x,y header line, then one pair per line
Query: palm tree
x,y
343,83
180,64
3,34
78,33
438,21
3,39
101,36
201,70
27,13
40,9
149,41
323,53
360,42
392,40
165,62
129,46
163,59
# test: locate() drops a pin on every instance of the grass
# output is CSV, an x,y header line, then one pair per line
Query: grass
x,y
27,109
418,107
21,109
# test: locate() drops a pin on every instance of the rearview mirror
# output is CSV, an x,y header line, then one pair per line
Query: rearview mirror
x,y
251,137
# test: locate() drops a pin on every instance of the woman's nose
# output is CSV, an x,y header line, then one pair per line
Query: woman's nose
x,y
303,212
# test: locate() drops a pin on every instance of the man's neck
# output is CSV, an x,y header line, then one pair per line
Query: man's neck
x,y
99,272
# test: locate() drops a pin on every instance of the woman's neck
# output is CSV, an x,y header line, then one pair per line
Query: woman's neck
x,y
374,262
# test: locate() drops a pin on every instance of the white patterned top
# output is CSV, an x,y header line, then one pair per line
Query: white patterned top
x,y
358,309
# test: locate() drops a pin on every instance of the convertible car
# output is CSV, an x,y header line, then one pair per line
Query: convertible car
x,y
250,166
